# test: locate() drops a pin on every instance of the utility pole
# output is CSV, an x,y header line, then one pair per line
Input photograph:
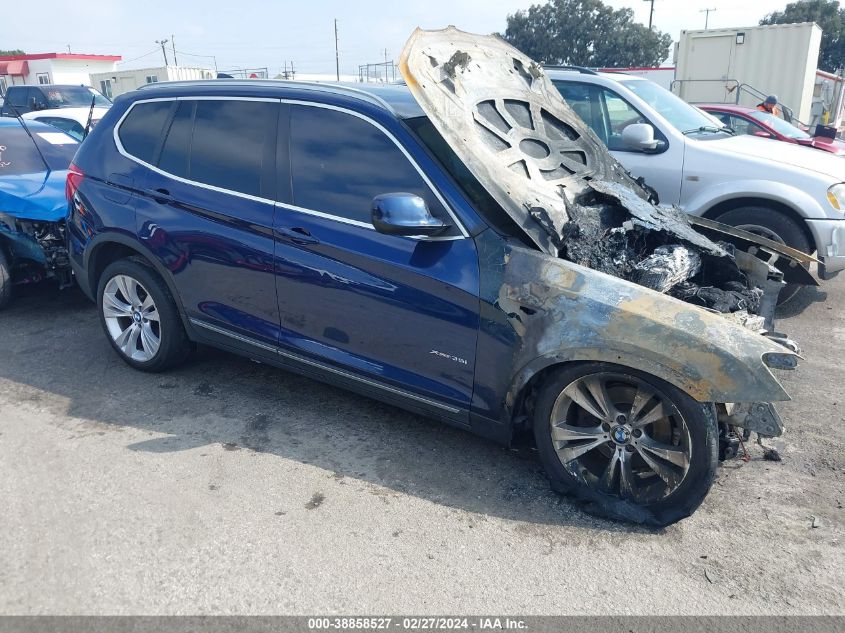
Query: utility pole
x,y
336,54
163,50
706,13
68,49
386,80
650,14
173,44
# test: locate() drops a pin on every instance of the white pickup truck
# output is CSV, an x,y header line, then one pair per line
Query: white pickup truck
x,y
791,194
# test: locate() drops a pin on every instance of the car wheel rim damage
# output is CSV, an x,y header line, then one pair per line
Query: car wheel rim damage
x,y
621,436
131,318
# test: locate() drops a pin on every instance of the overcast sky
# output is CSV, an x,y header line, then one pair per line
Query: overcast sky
x,y
249,33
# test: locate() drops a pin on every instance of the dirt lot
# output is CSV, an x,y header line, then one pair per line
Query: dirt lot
x,y
233,487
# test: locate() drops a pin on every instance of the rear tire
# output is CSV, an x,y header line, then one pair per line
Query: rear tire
x,y
5,281
776,226
140,317
647,454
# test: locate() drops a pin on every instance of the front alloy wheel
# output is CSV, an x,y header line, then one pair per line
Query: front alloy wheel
x,y
634,446
621,436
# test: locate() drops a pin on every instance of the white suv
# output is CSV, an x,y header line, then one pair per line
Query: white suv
x,y
792,194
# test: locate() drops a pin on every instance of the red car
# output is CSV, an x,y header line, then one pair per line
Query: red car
x,y
745,120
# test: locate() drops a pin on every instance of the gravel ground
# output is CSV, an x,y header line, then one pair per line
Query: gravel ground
x,y
232,487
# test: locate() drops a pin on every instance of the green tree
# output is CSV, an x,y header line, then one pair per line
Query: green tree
x,y
586,33
829,16
16,51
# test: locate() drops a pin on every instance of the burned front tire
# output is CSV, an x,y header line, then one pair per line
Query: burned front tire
x,y
5,281
631,445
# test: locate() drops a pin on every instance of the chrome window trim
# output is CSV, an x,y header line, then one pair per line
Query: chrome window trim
x,y
323,366
320,214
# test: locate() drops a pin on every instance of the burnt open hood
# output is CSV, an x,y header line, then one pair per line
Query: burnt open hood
x,y
508,123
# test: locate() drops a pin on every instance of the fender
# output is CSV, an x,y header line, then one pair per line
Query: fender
x,y
579,314
789,196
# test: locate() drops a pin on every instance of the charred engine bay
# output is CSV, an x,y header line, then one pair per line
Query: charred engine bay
x,y
660,251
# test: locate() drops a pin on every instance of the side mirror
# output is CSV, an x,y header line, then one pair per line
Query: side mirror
x,y
640,136
404,214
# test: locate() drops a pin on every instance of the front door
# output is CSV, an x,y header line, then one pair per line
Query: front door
x,y
396,310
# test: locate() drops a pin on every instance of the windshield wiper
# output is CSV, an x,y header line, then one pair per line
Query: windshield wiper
x,y
711,129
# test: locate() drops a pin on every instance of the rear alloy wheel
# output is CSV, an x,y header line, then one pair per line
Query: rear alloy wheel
x,y
140,317
775,226
634,446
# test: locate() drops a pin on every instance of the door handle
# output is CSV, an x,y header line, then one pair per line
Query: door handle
x,y
162,196
297,235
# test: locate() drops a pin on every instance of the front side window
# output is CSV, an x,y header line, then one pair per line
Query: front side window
x,y
340,162
36,99
143,127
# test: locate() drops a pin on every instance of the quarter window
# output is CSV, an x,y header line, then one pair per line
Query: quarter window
x,y
340,162
142,129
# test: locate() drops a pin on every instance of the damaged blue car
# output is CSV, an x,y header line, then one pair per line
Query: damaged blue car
x,y
34,162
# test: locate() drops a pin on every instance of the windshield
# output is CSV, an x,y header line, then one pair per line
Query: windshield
x,y
678,112
74,97
19,156
779,125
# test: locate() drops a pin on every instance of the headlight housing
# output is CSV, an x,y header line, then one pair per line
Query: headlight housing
x,y
836,196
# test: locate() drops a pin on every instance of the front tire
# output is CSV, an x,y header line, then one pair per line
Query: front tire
x,y
775,226
631,445
140,318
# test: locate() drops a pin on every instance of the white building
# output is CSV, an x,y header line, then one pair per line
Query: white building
x,y
117,82
53,68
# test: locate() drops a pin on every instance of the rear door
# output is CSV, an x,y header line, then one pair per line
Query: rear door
x,y
399,311
207,213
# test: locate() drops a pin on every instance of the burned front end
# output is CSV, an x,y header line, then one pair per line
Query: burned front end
x,y
507,122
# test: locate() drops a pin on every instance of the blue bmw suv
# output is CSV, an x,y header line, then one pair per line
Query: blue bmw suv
x,y
332,231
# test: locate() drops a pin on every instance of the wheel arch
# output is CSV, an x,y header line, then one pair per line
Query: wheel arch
x,y
111,247
719,209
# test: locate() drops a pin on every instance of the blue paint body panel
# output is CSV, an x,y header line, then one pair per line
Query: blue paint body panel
x,y
394,317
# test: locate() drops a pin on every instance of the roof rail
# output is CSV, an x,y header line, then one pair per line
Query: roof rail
x,y
581,69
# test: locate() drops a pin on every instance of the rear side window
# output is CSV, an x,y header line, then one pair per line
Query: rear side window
x,y
233,144
340,162
174,154
143,127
